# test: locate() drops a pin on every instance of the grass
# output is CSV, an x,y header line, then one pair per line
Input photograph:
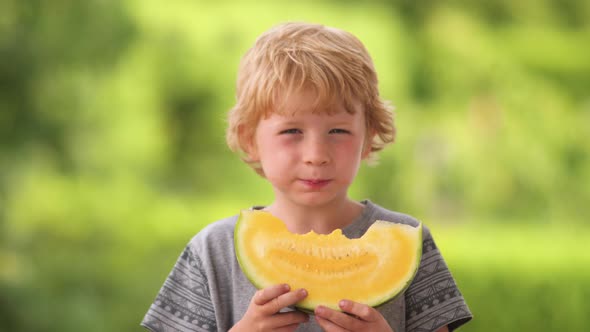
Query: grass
x,y
520,277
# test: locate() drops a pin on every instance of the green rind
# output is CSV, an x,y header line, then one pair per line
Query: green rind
x,y
239,257
394,295
309,309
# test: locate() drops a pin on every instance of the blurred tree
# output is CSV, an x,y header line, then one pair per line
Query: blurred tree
x,y
44,44
49,51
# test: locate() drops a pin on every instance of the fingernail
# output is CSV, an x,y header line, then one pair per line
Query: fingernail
x,y
320,310
303,292
286,287
344,303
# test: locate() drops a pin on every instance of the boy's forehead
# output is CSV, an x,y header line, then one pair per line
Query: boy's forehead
x,y
309,100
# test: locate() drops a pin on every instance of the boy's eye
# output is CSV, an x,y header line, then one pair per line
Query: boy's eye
x,y
339,131
291,131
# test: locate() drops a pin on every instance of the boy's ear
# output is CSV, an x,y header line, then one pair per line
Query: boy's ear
x,y
252,152
249,143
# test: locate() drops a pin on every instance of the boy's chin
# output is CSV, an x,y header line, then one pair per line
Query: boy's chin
x,y
318,199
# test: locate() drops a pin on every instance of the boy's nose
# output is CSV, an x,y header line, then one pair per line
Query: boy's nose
x,y
316,152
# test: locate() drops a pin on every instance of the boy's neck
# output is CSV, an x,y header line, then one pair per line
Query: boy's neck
x,y
322,219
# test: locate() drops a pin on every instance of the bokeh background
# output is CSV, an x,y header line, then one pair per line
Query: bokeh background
x,y
112,152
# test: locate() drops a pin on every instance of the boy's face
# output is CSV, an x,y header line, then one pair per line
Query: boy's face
x,y
310,159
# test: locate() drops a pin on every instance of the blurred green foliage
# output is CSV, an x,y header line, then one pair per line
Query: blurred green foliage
x,y
112,150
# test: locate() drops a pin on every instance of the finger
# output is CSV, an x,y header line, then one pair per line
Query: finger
x,y
285,319
288,328
264,295
338,318
362,311
328,326
285,300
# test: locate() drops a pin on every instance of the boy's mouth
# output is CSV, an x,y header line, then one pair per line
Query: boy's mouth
x,y
315,183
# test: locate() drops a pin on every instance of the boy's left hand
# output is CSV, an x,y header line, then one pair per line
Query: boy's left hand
x,y
354,317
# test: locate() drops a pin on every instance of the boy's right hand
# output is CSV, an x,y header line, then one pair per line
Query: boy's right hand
x,y
264,314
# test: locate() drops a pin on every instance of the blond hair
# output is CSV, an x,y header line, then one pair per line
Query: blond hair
x,y
295,56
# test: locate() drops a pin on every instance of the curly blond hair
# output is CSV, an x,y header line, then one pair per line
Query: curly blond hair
x,y
294,56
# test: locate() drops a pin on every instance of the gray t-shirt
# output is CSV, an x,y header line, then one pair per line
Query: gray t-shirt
x,y
207,291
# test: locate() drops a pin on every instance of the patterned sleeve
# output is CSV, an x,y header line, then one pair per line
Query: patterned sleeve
x,y
433,299
184,302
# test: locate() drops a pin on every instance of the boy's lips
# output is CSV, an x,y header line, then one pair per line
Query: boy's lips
x,y
315,183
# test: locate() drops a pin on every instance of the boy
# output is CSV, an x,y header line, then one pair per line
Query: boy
x,y
308,112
